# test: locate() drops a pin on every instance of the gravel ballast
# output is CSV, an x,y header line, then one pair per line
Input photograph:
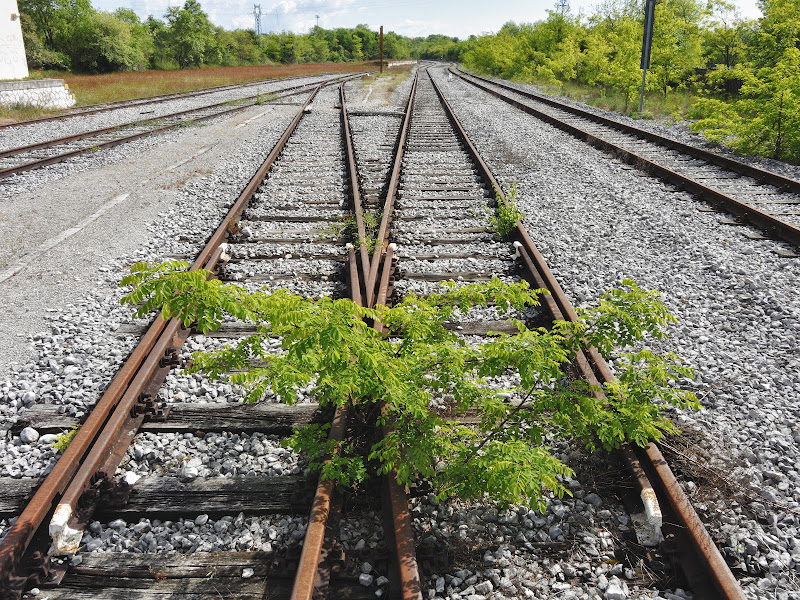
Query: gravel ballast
x,y
597,221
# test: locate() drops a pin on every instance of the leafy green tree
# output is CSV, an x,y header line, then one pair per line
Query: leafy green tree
x,y
319,52
612,56
190,35
57,20
395,46
141,38
160,35
677,43
723,37
779,30
766,120
37,54
421,378
369,42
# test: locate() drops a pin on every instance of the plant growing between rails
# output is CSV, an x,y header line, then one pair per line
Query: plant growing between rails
x,y
347,226
505,219
63,440
262,99
421,367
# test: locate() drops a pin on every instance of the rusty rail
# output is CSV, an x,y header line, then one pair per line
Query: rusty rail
x,y
134,102
768,223
310,580
405,571
651,459
124,390
383,231
355,186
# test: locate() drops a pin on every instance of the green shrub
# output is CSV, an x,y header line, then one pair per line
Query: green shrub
x,y
422,378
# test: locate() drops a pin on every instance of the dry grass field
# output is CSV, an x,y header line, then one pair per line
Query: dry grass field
x,y
96,89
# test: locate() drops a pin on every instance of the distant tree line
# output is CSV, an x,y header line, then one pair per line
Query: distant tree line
x,y
746,73
71,35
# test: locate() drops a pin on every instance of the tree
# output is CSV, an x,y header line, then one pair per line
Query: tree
x,y
319,51
190,34
395,46
141,38
677,44
160,35
60,23
421,378
106,44
37,54
766,120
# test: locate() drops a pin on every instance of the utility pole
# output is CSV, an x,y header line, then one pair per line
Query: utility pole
x,y
647,42
563,9
381,48
317,17
257,17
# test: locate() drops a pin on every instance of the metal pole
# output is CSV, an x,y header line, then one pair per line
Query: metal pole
x,y
381,48
647,42
641,95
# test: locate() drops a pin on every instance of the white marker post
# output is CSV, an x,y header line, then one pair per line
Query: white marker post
x,y
13,64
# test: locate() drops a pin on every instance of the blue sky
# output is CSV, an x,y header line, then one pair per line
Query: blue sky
x,y
459,18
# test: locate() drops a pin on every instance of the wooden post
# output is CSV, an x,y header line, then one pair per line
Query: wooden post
x,y
381,48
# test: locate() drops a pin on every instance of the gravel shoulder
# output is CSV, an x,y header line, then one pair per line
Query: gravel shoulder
x,y
103,214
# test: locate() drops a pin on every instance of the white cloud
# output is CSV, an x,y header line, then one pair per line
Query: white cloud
x,y
246,22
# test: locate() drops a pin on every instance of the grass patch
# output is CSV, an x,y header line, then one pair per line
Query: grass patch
x,y
384,84
23,112
674,106
95,89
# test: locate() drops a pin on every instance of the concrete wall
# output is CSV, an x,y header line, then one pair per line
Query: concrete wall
x,y
46,93
12,50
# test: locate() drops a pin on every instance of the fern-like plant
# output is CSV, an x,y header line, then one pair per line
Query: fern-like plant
x,y
427,378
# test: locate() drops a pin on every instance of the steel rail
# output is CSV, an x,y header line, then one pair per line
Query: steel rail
x,y
37,164
716,568
391,192
134,102
128,383
306,580
405,571
355,185
768,223
108,437
781,181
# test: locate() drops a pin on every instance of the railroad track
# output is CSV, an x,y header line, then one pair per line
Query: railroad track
x,y
436,186
152,100
14,161
765,200
271,234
